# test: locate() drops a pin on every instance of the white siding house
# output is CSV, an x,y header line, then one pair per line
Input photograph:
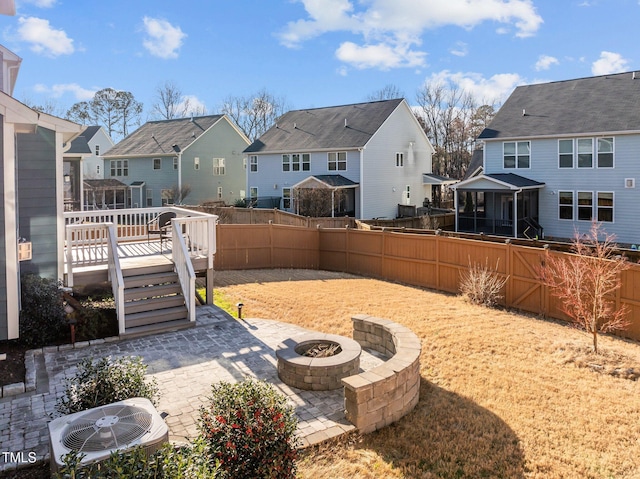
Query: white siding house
x,y
375,154
567,154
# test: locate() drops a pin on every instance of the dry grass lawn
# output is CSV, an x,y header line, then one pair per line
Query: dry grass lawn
x,y
502,395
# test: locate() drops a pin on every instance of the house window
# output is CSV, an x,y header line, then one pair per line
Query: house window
x,y
585,152
253,196
517,154
337,161
605,206
286,198
218,166
119,167
399,159
175,162
295,162
286,162
97,150
97,169
306,162
253,163
157,163
565,205
219,192
585,205
196,163
605,152
167,197
149,198
565,153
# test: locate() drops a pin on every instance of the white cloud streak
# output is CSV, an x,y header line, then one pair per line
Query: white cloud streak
x,y
43,38
162,40
395,27
609,62
493,90
58,90
545,62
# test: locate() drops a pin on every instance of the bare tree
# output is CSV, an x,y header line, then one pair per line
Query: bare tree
x,y
318,202
254,114
172,103
50,106
388,92
586,282
177,195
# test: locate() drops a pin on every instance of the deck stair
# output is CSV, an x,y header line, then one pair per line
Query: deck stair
x,y
154,301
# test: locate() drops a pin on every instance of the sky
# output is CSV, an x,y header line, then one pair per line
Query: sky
x,y
311,53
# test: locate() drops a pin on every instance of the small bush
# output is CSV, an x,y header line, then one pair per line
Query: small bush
x,y
250,430
481,284
105,381
188,462
42,318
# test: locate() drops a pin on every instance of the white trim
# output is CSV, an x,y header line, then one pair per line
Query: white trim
x,y
11,233
612,207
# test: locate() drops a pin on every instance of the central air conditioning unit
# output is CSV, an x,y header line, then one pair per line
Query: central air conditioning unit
x,y
98,432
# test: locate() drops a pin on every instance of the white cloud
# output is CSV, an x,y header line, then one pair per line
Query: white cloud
x,y
545,62
381,56
163,40
491,90
609,62
56,91
460,49
191,104
43,38
39,3
399,24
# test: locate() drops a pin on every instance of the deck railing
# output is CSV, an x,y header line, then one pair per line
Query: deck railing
x,y
90,241
115,276
184,268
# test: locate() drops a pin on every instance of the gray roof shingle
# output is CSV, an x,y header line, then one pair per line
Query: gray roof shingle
x,y
602,104
157,137
336,127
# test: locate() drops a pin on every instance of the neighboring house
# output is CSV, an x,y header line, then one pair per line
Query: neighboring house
x,y
83,161
199,155
367,157
556,157
31,210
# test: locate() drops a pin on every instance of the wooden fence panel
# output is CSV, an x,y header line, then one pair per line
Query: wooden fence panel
x,y
431,261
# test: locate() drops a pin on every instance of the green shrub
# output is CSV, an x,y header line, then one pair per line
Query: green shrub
x,y
188,462
250,430
105,381
42,318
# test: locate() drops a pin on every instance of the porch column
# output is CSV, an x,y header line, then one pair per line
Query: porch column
x,y
515,214
455,206
333,203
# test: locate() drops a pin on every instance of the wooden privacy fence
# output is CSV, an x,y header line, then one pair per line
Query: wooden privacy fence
x,y
424,260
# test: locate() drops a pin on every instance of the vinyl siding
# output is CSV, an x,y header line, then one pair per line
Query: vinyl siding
x,y
37,200
141,169
383,184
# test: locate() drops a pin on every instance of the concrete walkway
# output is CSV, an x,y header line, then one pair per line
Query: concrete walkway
x,y
185,363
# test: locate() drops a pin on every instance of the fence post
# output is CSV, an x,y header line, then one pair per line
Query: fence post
x,y
347,246
507,269
271,243
438,238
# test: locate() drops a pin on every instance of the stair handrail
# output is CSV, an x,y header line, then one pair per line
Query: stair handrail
x,y
115,275
184,268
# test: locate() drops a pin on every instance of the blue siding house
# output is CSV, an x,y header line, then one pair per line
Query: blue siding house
x,y
556,157
162,159
367,158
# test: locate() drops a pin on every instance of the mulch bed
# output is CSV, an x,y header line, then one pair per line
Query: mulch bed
x,y
12,368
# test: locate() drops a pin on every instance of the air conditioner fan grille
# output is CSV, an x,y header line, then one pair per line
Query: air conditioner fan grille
x,y
108,427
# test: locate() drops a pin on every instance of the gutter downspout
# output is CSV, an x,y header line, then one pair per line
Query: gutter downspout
x,y
180,175
361,215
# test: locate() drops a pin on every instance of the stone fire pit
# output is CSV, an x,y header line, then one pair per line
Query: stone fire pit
x,y
317,373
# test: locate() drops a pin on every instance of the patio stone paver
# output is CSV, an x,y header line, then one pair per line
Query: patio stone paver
x,y
185,363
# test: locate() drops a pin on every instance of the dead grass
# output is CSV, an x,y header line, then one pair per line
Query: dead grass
x,y
502,394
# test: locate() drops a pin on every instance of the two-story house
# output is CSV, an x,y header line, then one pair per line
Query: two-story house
x,y
187,160
367,158
556,157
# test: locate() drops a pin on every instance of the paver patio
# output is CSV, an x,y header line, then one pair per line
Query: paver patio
x,y
185,363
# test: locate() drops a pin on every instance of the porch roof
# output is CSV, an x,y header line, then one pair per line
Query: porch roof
x,y
326,181
498,181
106,184
431,179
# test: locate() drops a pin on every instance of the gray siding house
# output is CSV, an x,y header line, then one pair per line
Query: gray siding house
x,y
370,157
162,158
556,157
31,210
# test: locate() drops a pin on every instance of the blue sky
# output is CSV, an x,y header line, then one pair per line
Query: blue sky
x,y
311,52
